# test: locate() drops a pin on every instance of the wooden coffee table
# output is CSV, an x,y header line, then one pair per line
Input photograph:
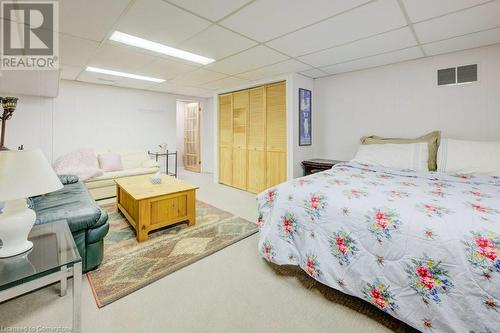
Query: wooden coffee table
x,y
150,206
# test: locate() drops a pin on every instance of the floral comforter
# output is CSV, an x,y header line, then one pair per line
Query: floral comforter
x,y
423,247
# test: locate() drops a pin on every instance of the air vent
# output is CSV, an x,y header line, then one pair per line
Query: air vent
x,y
457,75
467,73
447,76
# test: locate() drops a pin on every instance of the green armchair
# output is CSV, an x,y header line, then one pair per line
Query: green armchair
x,y
87,221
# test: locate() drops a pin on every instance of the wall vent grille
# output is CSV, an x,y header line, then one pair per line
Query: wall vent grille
x,y
457,75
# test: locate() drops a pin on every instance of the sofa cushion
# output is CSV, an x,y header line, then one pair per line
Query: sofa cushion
x,y
132,159
72,203
110,162
122,173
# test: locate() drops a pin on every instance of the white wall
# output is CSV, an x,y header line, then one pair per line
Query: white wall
x,y
98,116
403,100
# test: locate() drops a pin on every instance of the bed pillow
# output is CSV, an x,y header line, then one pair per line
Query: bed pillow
x,y
432,139
469,157
413,156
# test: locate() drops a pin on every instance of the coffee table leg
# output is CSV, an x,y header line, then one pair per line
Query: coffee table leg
x,y
77,297
64,281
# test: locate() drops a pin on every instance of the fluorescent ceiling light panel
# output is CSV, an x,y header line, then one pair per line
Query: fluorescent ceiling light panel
x,y
122,74
124,38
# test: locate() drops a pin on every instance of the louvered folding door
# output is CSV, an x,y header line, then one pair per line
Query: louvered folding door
x,y
276,133
226,139
252,137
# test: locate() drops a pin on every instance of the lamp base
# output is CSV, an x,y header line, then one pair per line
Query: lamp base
x,y
16,222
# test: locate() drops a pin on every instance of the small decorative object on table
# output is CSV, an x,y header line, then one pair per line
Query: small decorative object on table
x,y
163,148
9,106
156,178
318,164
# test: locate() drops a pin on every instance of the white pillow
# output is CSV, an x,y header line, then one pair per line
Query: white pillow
x,y
469,157
412,156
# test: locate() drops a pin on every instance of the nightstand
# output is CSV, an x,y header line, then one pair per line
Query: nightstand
x,y
317,165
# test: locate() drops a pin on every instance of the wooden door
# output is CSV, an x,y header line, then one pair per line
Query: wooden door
x,y
226,139
256,178
240,114
192,137
276,134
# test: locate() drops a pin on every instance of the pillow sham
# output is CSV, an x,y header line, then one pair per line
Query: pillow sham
x,y
432,139
413,156
469,157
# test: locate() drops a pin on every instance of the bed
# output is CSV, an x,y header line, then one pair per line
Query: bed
x,y
423,247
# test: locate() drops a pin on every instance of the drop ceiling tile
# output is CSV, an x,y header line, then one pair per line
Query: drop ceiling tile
x,y
479,18
90,19
216,43
200,76
98,78
167,87
245,61
195,92
160,22
75,51
166,69
287,66
419,10
119,58
314,73
463,42
278,17
211,9
135,84
69,72
369,20
379,60
390,41
228,82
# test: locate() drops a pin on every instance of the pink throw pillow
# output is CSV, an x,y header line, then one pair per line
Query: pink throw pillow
x,y
110,162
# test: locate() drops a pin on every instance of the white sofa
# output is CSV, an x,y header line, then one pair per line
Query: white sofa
x,y
135,162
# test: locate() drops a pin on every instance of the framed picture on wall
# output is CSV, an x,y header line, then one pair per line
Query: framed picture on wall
x,y
305,113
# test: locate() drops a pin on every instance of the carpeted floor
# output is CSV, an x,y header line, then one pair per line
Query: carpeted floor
x,y
129,265
340,298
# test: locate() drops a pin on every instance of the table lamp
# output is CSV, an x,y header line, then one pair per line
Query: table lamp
x,y
23,174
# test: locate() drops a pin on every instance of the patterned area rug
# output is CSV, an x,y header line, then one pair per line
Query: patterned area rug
x,y
338,297
129,265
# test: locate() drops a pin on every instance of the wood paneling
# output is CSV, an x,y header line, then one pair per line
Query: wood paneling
x,y
253,137
256,180
276,133
226,139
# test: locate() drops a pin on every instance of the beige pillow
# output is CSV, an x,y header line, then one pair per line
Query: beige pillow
x,y
432,139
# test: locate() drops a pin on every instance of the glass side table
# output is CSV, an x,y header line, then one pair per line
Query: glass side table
x,y
53,258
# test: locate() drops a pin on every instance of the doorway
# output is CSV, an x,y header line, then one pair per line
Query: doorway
x,y
190,113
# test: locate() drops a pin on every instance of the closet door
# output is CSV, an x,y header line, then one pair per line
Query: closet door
x,y
256,181
226,139
240,115
276,133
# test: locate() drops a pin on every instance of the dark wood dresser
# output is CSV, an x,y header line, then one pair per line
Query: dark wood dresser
x,y
317,164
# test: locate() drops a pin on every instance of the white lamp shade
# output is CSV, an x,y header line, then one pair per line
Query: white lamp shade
x,y
26,173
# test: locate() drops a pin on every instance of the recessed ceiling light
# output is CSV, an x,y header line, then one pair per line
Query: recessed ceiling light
x,y
115,73
124,38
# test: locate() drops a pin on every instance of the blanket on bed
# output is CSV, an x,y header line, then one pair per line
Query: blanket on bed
x,y
423,247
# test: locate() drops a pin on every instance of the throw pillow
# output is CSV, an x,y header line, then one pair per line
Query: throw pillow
x,y
110,162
